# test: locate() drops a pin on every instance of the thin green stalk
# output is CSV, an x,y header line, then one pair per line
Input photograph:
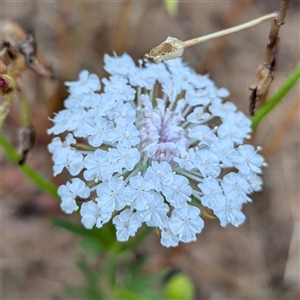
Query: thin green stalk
x,y
273,101
25,110
33,175
110,267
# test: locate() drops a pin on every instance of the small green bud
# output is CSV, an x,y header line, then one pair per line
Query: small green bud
x,y
179,287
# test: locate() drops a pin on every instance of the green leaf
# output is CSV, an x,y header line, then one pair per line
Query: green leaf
x,y
91,289
122,293
92,244
137,281
71,226
105,236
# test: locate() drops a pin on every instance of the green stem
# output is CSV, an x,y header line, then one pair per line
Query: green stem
x,y
273,101
33,175
25,110
110,267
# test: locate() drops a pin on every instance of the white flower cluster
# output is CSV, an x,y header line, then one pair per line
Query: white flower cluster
x,y
156,144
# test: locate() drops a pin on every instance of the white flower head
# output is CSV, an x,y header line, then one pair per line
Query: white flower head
x,y
157,143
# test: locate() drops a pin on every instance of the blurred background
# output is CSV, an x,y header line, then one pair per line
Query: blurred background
x,y
259,260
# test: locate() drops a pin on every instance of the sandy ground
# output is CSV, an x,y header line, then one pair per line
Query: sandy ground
x,y
259,260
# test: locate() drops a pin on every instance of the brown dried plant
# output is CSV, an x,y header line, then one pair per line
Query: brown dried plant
x,y
18,52
265,72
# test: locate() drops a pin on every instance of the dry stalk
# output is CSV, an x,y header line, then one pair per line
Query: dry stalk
x,y
275,26
173,48
264,73
19,51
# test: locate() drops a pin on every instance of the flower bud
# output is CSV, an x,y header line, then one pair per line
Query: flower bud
x,y
7,84
179,287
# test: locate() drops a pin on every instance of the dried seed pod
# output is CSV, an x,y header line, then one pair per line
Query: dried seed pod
x,y
262,81
169,49
27,140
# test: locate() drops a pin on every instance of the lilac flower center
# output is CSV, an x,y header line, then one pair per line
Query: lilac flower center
x,y
162,134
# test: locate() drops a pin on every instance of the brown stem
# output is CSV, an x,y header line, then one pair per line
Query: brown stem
x,y
276,24
264,75
231,30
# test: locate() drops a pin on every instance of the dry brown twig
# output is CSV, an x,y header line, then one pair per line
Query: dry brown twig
x,y
173,48
264,73
19,51
276,24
